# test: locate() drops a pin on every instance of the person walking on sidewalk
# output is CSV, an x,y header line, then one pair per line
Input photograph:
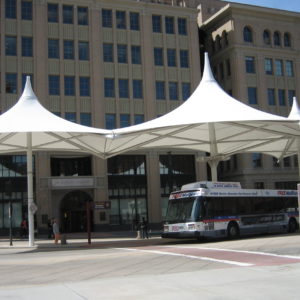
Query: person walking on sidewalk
x,y
56,231
144,228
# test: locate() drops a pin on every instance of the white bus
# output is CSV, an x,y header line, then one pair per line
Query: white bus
x,y
204,209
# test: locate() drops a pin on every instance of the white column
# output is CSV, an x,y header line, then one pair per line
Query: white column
x,y
30,190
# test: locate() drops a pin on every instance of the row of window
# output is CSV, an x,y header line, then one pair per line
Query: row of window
x,y
122,20
257,162
281,67
122,53
125,120
275,96
268,37
109,87
11,9
171,55
11,46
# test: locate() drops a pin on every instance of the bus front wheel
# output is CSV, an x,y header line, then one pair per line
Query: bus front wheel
x,y
292,227
233,230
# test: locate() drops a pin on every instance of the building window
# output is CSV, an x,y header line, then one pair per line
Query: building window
x,y
106,18
160,90
291,95
53,48
256,160
269,66
287,162
247,33
182,28
123,88
108,53
169,23
156,23
11,83
86,119
109,87
271,97
10,9
173,90
121,19
124,120
122,53
259,185
287,39
26,9
184,58
52,13
83,50
171,57
67,14
267,37
134,21
10,45
54,85
289,69
82,15
138,119
250,64
84,86
252,95
278,67
137,87
277,38
186,90
70,116
69,86
281,97
158,57
110,121
27,46
68,49
136,55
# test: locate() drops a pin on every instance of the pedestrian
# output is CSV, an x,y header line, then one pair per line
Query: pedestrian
x,y
56,231
50,230
144,228
24,228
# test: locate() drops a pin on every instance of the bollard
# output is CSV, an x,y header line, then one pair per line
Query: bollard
x,y
63,239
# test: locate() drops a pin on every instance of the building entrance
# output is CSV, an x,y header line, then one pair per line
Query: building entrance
x,y
73,212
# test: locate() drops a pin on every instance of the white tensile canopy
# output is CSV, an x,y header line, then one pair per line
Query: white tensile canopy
x,y
210,121
28,127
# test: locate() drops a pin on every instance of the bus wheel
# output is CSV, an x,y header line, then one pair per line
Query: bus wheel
x,y
233,230
292,227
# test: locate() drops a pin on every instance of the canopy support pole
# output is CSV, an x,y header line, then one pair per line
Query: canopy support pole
x,y
214,169
30,190
213,151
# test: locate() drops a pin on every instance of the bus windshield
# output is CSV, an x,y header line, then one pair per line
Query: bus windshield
x,y
181,210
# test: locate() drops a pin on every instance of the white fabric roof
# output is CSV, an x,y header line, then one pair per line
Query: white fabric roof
x,y
211,121
49,132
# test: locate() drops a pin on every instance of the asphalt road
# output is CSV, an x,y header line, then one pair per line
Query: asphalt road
x,y
262,267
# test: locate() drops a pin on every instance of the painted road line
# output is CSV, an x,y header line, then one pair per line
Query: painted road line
x,y
230,262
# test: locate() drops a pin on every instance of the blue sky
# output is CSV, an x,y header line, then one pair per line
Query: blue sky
x,y
292,5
